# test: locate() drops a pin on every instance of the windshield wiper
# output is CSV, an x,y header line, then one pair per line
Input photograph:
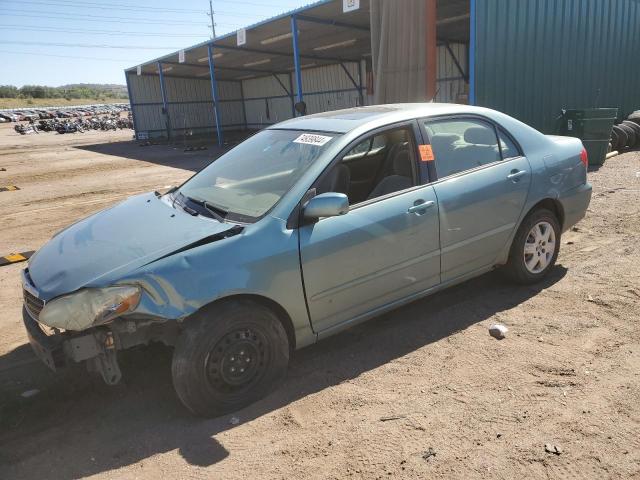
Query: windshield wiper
x,y
218,212
181,203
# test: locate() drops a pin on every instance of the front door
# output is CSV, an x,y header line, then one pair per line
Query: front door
x,y
482,187
384,250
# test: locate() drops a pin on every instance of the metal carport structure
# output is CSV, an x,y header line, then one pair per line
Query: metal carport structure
x,y
527,58
318,54
218,73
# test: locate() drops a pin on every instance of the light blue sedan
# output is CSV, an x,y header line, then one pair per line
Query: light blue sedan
x,y
305,229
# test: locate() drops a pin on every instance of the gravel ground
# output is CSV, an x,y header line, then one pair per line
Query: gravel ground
x,y
423,392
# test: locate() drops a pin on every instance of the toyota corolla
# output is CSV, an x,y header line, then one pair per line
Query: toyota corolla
x,y
305,229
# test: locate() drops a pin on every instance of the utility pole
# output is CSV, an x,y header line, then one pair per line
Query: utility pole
x,y
213,23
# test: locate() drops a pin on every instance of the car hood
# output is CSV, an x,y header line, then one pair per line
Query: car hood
x,y
102,248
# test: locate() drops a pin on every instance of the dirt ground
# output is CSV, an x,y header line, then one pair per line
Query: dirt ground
x,y
423,392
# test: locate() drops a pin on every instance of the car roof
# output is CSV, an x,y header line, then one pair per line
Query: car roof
x,y
343,121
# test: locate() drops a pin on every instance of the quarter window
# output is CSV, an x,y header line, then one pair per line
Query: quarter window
x,y
460,145
509,149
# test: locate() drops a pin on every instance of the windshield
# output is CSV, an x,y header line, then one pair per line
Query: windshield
x,y
250,179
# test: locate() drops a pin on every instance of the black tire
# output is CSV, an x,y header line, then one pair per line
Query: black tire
x,y
614,140
208,361
635,127
631,135
623,138
635,117
516,268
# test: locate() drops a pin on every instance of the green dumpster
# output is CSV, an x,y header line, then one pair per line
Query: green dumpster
x,y
593,126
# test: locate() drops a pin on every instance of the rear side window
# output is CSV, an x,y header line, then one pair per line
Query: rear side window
x,y
461,145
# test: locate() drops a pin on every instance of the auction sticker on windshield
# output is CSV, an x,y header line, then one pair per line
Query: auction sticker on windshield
x,y
312,139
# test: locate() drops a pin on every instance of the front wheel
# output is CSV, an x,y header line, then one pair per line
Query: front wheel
x,y
229,356
535,247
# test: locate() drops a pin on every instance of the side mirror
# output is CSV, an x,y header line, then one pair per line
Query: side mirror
x,y
326,205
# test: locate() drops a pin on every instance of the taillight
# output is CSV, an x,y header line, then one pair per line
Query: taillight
x,y
584,158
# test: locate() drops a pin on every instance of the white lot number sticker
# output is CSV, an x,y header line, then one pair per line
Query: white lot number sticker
x,y
241,37
350,5
311,139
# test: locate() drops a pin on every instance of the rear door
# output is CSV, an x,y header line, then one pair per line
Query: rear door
x,y
482,187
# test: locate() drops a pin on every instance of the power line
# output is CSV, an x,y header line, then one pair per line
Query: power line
x,y
98,32
255,4
105,19
121,60
146,12
87,15
152,7
87,45
102,6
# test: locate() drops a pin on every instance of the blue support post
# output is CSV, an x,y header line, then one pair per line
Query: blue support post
x,y
165,109
214,95
472,54
244,108
296,56
133,114
293,101
360,86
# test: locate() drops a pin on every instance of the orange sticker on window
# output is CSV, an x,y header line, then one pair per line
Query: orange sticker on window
x,y
426,153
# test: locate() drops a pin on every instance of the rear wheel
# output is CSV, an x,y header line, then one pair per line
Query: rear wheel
x,y
228,357
535,247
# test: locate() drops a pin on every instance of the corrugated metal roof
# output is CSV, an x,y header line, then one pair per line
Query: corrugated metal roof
x,y
234,63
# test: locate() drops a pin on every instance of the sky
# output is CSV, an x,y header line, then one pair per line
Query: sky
x,y
58,42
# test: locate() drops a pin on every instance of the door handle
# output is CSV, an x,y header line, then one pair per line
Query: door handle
x,y
515,175
420,207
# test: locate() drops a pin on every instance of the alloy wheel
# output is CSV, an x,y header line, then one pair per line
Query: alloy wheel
x,y
539,247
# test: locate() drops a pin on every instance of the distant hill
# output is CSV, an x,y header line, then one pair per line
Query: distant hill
x,y
77,90
99,87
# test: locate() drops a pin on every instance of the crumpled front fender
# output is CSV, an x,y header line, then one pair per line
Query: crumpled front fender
x,y
261,261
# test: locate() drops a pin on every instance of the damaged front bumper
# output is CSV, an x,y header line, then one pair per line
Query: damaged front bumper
x,y
97,348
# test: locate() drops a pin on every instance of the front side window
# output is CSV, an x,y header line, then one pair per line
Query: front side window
x,y
460,145
250,179
378,165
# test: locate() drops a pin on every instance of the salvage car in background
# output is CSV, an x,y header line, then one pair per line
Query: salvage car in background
x,y
305,229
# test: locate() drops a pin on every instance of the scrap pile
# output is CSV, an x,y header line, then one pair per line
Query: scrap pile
x,y
34,114
105,122
70,119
